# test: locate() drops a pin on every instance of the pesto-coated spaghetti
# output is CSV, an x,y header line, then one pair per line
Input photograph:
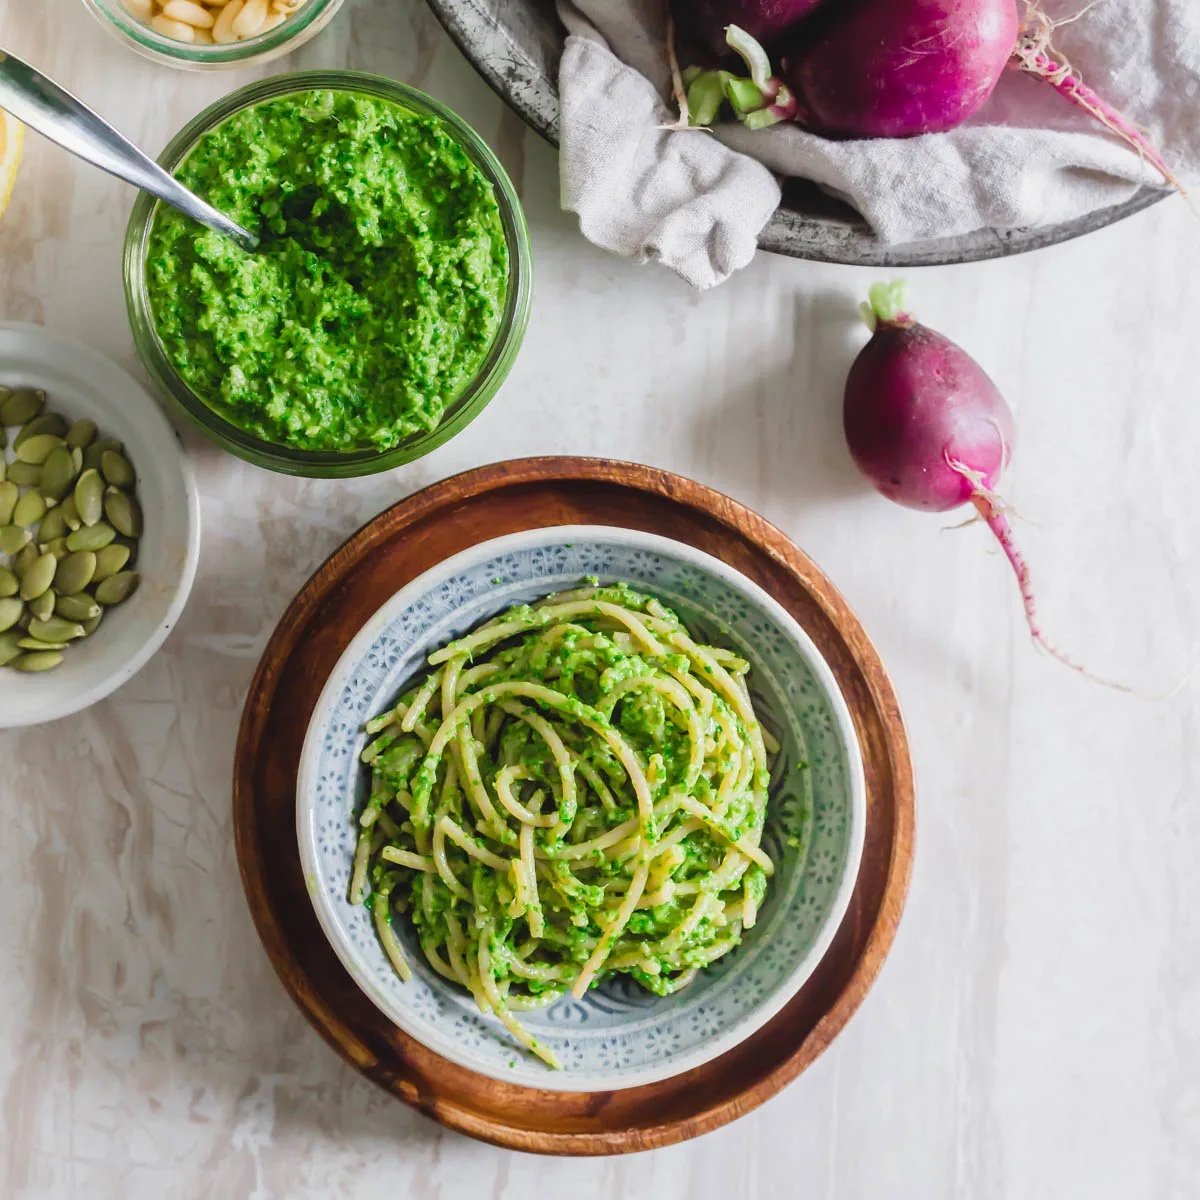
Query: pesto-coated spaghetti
x,y
577,789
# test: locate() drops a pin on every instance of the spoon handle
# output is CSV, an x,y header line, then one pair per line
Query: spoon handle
x,y
44,106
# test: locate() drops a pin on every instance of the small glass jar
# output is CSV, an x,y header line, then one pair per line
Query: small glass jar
x,y
306,22
278,456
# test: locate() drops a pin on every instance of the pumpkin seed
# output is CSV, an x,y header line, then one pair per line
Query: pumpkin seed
x,y
70,513
26,474
54,629
22,405
44,660
43,606
53,526
30,509
8,646
32,643
47,423
109,561
12,608
92,624
91,537
56,546
89,497
95,452
124,513
9,584
58,472
9,495
38,577
75,572
81,434
80,607
24,559
39,448
12,538
116,588
116,469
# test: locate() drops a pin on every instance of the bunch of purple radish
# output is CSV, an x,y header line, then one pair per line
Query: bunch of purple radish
x,y
850,69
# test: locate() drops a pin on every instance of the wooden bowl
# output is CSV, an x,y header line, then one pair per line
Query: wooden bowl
x,y
379,559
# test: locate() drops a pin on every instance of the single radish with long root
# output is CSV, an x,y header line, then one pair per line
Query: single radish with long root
x,y
930,430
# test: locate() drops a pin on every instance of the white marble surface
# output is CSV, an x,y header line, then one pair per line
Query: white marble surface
x,y
1036,1031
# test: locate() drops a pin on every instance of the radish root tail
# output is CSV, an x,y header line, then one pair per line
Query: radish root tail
x,y
678,89
1036,56
991,509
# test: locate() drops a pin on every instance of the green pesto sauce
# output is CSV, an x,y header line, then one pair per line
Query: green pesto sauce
x,y
378,289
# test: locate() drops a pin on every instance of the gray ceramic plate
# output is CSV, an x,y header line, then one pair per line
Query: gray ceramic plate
x,y
515,45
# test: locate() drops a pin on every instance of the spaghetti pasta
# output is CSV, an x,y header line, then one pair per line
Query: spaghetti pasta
x,y
576,790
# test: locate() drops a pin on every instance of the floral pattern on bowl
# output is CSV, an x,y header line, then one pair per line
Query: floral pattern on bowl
x,y
618,1035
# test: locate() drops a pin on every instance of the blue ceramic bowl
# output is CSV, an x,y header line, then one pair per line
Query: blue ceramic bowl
x,y
618,1036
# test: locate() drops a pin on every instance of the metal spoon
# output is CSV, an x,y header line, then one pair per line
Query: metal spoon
x,y
42,105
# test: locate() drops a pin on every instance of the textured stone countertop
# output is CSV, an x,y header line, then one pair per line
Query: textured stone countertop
x,y
1036,1030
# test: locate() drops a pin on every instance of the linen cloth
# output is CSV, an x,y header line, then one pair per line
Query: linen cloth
x,y
696,201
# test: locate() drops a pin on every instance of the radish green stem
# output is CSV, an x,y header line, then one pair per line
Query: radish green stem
x,y
758,63
887,305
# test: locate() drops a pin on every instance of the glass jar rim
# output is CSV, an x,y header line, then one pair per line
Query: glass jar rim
x,y
460,411
117,17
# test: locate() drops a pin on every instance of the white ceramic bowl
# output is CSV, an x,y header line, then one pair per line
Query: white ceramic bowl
x,y
79,382
619,1035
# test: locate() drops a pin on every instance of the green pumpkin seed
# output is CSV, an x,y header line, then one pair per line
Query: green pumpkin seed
x,y
75,572
92,624
32,643
8,646
117,588
30,509
95,452
38,448
70,513
81,435
43,606
58,472
109,561
44,660
24,559
116,469
9,584
91,537
48,422
26,474
80,607
22,405
54,629
38,577
9,495
89,497
12,538
12,608
124,513
56,546
53,526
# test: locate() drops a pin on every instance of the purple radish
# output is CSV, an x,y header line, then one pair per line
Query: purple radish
x,y
901,68
930,430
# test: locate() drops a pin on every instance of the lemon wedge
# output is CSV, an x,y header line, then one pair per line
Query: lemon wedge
x,y
12,138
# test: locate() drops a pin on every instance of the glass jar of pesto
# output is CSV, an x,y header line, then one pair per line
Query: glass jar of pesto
x,y
386,302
